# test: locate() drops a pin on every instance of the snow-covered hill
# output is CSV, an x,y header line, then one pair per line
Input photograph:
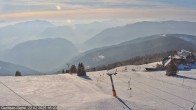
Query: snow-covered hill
x,y
149,90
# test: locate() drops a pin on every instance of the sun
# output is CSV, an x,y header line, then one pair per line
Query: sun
x,y
69,21
58,7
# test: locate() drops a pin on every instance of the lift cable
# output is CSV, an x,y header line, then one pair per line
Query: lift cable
x,y
164,91
155,95
16,93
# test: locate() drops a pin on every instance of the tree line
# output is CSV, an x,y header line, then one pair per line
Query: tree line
x,y
139,60
80,70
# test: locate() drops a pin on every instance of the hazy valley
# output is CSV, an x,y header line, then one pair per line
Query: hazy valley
x,y
46,47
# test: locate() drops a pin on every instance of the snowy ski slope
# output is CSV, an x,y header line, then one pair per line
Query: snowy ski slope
x,y
149,90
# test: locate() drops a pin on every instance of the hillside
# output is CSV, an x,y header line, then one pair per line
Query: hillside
x,y
43,55
137,47
9,69
116,35
149,90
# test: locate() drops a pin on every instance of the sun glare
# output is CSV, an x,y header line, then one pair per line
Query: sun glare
x,y
58,7
69,21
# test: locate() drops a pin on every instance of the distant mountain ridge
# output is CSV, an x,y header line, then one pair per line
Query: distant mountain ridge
x,y
137,47
116,35
9,69
31,30
77,33
20,32
42,55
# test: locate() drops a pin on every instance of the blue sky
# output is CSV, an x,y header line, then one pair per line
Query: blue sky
x,y
191,4
78,10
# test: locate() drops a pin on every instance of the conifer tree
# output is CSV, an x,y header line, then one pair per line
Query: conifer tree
x,y
18,73
81,70
63,71
73,69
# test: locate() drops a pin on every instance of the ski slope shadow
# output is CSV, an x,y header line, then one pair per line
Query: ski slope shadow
x,y
86,77
184,77
120,100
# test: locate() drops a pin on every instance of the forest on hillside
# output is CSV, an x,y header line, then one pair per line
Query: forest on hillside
x,y
139,60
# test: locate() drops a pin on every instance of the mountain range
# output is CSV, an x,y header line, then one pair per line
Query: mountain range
x,y
20,32
43,46
9,69
116,35
42,55
137,47
77,33
39,29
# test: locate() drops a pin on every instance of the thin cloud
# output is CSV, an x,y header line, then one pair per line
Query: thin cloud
x,y
42,5
104,13
113,3
2,21
16,6
19,10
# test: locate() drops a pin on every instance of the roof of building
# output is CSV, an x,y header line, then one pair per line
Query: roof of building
x,y
167,62
184,53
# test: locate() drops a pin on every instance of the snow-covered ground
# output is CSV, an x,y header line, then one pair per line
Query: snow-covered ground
x,y
149,90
